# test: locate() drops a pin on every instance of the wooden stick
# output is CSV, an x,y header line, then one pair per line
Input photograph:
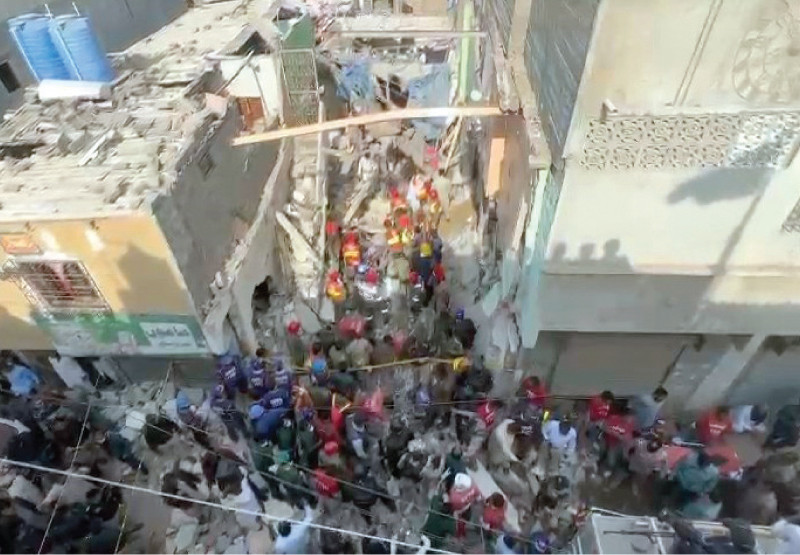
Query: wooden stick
x,y
389,115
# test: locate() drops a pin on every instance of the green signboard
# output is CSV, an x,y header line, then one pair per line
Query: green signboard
x,y
124,334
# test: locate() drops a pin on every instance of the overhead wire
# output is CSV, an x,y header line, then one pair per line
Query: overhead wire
x,y
211,504
71,466
158,395
262,450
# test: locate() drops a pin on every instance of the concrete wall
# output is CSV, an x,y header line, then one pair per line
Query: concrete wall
x,y
206,215
119,24
558,39
697,245
261,79
128,259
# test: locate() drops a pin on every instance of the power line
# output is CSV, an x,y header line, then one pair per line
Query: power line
x,y
206,503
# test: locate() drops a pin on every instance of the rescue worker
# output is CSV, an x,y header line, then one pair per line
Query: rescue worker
x,y
229,372
267,414
462,495
434,209
257,383
351,249
282,377
394,241
334,287
333,241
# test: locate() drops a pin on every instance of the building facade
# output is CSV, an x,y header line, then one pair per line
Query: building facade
x,y
668,228
126,227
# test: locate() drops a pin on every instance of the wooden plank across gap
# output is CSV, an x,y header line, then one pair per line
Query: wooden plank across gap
x,y
366,119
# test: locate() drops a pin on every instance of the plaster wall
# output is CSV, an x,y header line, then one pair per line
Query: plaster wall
x,y
673,249
214,203
127,257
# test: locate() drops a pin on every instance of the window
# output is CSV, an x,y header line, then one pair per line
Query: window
x,y
7,77
57,285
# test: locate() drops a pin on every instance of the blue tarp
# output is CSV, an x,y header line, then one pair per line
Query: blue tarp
x,y
430,91
355,80
23,380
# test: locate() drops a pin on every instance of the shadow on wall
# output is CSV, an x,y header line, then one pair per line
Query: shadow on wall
x,y
721,184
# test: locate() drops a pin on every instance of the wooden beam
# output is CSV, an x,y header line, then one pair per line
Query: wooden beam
x,y
377,117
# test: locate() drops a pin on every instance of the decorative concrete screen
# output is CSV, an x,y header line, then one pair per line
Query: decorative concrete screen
x,y
741,140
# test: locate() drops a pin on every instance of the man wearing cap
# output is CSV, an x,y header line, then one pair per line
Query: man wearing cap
x,y
462,495
257,382
334,287
266,415
229,372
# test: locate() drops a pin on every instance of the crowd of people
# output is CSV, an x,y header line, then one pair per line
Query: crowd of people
x,y
322,425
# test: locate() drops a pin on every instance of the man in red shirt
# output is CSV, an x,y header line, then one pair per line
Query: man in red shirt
x,y
714,424
535,391
325,484
618,429
599,409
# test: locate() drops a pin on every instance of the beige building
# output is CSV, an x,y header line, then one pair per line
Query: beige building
x,y
667,245
126,225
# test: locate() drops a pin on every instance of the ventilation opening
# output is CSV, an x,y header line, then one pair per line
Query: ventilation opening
x,y
8,78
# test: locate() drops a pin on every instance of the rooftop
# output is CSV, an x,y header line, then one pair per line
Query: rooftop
x,y
71,158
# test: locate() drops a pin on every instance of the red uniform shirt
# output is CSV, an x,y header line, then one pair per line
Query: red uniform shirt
x,y
598,409
494,517
331,227
619,429
438,273
487,413
326,484
537,395
710,427
460,499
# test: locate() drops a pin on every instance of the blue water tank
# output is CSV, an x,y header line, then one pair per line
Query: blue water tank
x,y
31,33
80,48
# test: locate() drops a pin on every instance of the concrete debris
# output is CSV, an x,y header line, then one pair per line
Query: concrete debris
x,y
185,537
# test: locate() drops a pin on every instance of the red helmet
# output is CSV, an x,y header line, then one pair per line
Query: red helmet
x,y
434,194
393,192
293,327
413,276
334,275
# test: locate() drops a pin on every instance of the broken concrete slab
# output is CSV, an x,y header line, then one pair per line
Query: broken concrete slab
x,y
384,129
